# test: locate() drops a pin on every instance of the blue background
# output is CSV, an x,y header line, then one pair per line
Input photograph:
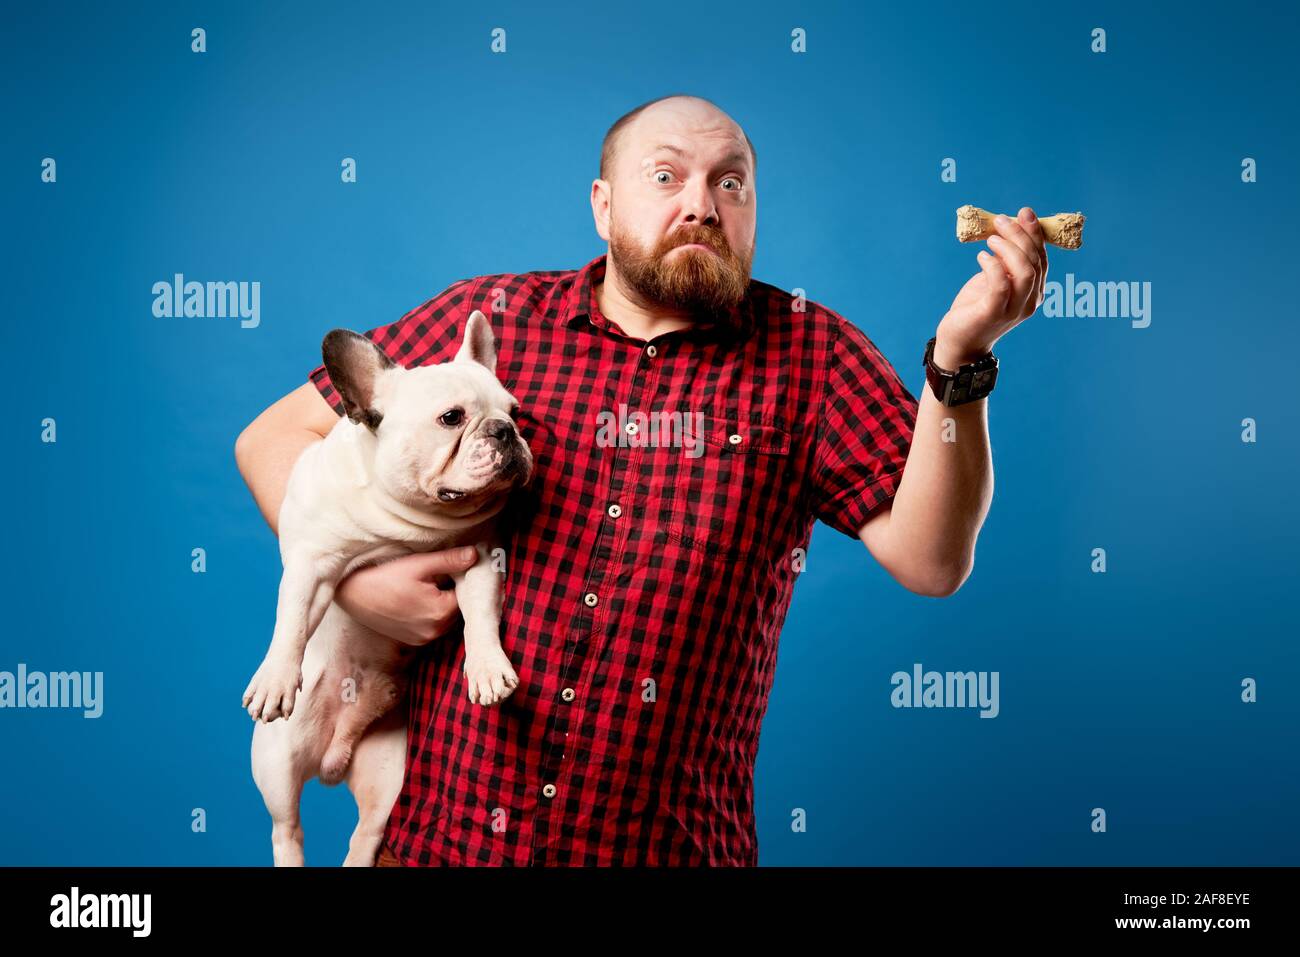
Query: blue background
x,y
1119,691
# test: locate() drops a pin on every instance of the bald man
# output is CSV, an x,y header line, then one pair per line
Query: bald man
x,y
688,424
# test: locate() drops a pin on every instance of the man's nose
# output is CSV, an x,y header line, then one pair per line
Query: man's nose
x,y
697,203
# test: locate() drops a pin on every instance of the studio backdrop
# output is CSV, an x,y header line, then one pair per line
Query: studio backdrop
x,y
1132,607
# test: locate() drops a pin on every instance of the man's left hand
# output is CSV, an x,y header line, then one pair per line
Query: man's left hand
x,y
1003,294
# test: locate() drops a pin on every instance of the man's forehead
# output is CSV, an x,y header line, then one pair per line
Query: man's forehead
x,y
687,132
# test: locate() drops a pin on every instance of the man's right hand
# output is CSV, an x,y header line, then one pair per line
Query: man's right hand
x,y
402,599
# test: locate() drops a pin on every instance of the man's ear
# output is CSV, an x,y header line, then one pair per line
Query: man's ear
x,y
600,206
354,363
477,346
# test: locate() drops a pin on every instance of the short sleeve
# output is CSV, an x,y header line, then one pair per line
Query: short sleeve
x,y
865,432
425,335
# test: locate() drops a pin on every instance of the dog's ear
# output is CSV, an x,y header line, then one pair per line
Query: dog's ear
x,y
354,362
478,345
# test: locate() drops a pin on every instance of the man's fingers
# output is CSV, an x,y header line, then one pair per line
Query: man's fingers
x,y
1020,273
446,607
997,284
448,561
1013,231
444,610
1029,223
1022,269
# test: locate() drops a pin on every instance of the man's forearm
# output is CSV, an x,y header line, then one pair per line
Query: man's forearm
x,y
265,460
926,538
268,448
945,491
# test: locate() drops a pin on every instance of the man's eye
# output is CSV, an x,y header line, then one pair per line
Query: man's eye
x,y
733,179
452,417
663,173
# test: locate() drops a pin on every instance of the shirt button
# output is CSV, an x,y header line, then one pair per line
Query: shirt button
x,y
735,439
651,351
591,599
549,790
615,510
631,428
568,694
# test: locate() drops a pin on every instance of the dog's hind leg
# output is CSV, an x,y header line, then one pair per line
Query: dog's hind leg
x,y
376,694
280,782
375,778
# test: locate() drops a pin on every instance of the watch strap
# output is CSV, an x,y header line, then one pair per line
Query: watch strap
x,y
967,383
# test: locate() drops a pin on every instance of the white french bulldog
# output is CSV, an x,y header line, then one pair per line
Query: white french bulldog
x,y
424,460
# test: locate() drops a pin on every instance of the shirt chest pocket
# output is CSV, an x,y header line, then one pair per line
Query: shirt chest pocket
x,y
732,473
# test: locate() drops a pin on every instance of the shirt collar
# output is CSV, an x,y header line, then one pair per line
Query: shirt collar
x,y
580,305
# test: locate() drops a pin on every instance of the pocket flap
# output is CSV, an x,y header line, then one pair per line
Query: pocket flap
x,y
737,435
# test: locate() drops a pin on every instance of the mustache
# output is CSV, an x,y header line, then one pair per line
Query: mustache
x,y
708,236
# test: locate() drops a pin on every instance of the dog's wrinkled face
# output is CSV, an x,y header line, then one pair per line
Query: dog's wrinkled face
x,y
446,434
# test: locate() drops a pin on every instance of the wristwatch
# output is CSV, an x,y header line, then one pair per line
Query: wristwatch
x,y
970,382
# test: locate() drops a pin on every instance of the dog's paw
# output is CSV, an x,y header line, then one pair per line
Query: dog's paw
x,y
490,677
273,690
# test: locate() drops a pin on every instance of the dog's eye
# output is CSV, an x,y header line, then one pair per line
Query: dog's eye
x,y
452,417
514,412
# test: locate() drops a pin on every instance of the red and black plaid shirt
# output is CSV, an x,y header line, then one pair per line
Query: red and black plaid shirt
x,y
648,573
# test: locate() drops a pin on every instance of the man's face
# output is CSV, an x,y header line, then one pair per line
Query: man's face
x,y
682,208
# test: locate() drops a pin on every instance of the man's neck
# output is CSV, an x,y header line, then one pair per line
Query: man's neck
x,y
639,319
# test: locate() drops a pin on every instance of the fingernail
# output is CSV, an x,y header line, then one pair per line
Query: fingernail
x,y
467,553
1032,217
1001,220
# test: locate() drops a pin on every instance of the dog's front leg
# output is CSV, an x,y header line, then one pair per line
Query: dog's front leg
x,y
306,590
488,672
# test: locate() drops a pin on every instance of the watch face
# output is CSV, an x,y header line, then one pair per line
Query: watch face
x,y
967,385
982,383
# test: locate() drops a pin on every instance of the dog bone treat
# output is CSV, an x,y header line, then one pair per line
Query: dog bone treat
x,y
1063,229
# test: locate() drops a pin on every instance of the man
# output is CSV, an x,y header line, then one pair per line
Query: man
x,y
688,426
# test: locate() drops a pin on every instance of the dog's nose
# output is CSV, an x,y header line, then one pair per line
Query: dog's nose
x,y
498,428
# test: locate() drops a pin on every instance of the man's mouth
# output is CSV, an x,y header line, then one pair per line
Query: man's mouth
x,y
450,494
